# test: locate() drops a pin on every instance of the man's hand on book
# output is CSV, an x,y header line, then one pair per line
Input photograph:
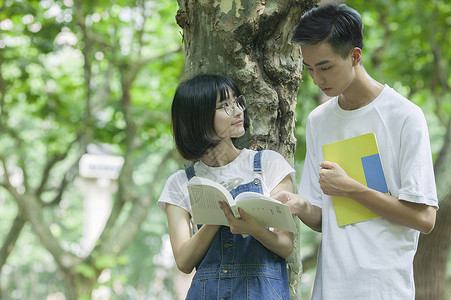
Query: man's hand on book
x,y
334,181
300,206
294,202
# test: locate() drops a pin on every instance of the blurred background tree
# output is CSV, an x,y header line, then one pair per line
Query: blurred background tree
x,y
98,77
84,77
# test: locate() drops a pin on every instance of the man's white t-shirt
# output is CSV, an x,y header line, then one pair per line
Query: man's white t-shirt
x,y
371,259
238,172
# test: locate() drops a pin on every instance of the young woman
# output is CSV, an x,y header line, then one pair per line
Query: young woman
x,y
208,113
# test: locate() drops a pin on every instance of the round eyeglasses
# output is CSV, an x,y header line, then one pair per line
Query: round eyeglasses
x,y
229,106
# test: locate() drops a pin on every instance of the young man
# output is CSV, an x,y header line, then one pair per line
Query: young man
x,y
372,259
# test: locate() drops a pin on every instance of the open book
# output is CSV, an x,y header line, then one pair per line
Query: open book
x,y
359,157
204,195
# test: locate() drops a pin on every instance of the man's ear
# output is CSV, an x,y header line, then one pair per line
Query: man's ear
x,y
356,55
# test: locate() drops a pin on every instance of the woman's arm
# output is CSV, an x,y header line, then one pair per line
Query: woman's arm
x,y
188,250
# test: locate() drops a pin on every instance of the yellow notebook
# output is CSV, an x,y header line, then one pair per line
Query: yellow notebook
x,y
359,157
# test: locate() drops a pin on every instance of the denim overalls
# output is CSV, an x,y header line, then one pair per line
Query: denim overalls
x,y
239,268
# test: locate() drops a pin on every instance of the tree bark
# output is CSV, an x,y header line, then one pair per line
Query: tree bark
x,y
431,260
250,42
433,249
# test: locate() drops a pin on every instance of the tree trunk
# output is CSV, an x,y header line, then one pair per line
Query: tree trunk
x,y
433,249
249,41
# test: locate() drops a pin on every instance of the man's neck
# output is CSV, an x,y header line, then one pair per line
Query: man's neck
x,y
361,92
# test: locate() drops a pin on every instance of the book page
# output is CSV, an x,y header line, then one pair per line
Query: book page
x,y
253,195
204,195
267,211
204,205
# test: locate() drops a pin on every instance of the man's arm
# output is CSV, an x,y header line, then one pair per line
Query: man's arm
x,y
335,182
309,214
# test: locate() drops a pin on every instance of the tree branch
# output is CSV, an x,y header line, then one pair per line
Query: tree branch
x,y
440,76
46,172
140,205
32,211
69,175
11,239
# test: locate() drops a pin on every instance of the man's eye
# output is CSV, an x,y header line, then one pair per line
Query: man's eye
x,y
325,69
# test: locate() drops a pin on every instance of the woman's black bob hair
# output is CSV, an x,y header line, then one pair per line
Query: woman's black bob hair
x,y
193,113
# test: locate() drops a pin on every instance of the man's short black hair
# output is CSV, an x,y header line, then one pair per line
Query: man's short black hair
x,y
193,113
339,25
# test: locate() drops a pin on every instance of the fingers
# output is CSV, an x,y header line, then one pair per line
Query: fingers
x,y
229,213
243,225
327,164
282,196
294,201
226,209
243,214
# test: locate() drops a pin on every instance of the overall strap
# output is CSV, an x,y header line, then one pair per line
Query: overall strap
x,y
257,167
190,172
258,162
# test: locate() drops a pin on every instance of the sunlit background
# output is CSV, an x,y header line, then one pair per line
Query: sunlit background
x,y
87,85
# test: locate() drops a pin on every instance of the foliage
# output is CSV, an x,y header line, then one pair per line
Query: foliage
x,y
70,74
76,73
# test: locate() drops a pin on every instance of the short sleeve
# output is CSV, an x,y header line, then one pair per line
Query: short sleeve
x,y
417,174
275,168
175,192
308,185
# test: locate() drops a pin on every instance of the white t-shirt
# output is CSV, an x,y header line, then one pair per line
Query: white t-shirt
x,y
238,172
371,259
